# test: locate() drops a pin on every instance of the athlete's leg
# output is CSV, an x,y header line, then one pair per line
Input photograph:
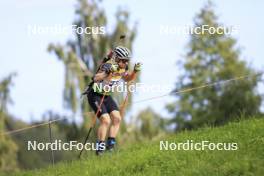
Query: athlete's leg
x,y
116,120
114,128
95,101
103,126
101,133
115,116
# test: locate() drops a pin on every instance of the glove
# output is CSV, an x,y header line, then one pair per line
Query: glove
x,y
137,67
114,68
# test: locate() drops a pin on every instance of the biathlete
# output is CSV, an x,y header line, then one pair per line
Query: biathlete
x,y
111,71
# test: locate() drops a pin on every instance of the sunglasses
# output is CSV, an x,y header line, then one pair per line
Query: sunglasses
x,y
123,60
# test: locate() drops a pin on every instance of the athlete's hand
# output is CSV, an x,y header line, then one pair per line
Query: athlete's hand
x,y
114,67
137,67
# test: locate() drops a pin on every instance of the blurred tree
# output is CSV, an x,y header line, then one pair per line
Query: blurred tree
x,y
146,126
8,149
30,159
82,56
211,58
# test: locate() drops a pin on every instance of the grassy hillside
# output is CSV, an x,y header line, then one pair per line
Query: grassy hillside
x,y
147,159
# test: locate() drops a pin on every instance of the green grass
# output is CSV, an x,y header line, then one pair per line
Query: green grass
x,y
147,159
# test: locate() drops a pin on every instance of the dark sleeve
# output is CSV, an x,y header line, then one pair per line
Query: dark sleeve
x,y
106,67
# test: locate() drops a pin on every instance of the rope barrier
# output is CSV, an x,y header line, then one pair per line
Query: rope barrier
x,y
29,127
140,101
195,88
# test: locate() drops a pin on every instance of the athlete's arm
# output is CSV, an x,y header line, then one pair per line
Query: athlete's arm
x,y
105,70
130,76
101,75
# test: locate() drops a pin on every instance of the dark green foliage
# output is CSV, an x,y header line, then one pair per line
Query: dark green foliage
x,y
211,58
61,130
149,124
8,149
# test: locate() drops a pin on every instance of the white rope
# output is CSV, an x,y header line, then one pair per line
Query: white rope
x,y
139,101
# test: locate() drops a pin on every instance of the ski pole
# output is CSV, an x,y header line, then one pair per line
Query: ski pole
x,y
124,104
93,123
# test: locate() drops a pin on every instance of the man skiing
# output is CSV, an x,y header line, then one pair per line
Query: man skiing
x,y
109,73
